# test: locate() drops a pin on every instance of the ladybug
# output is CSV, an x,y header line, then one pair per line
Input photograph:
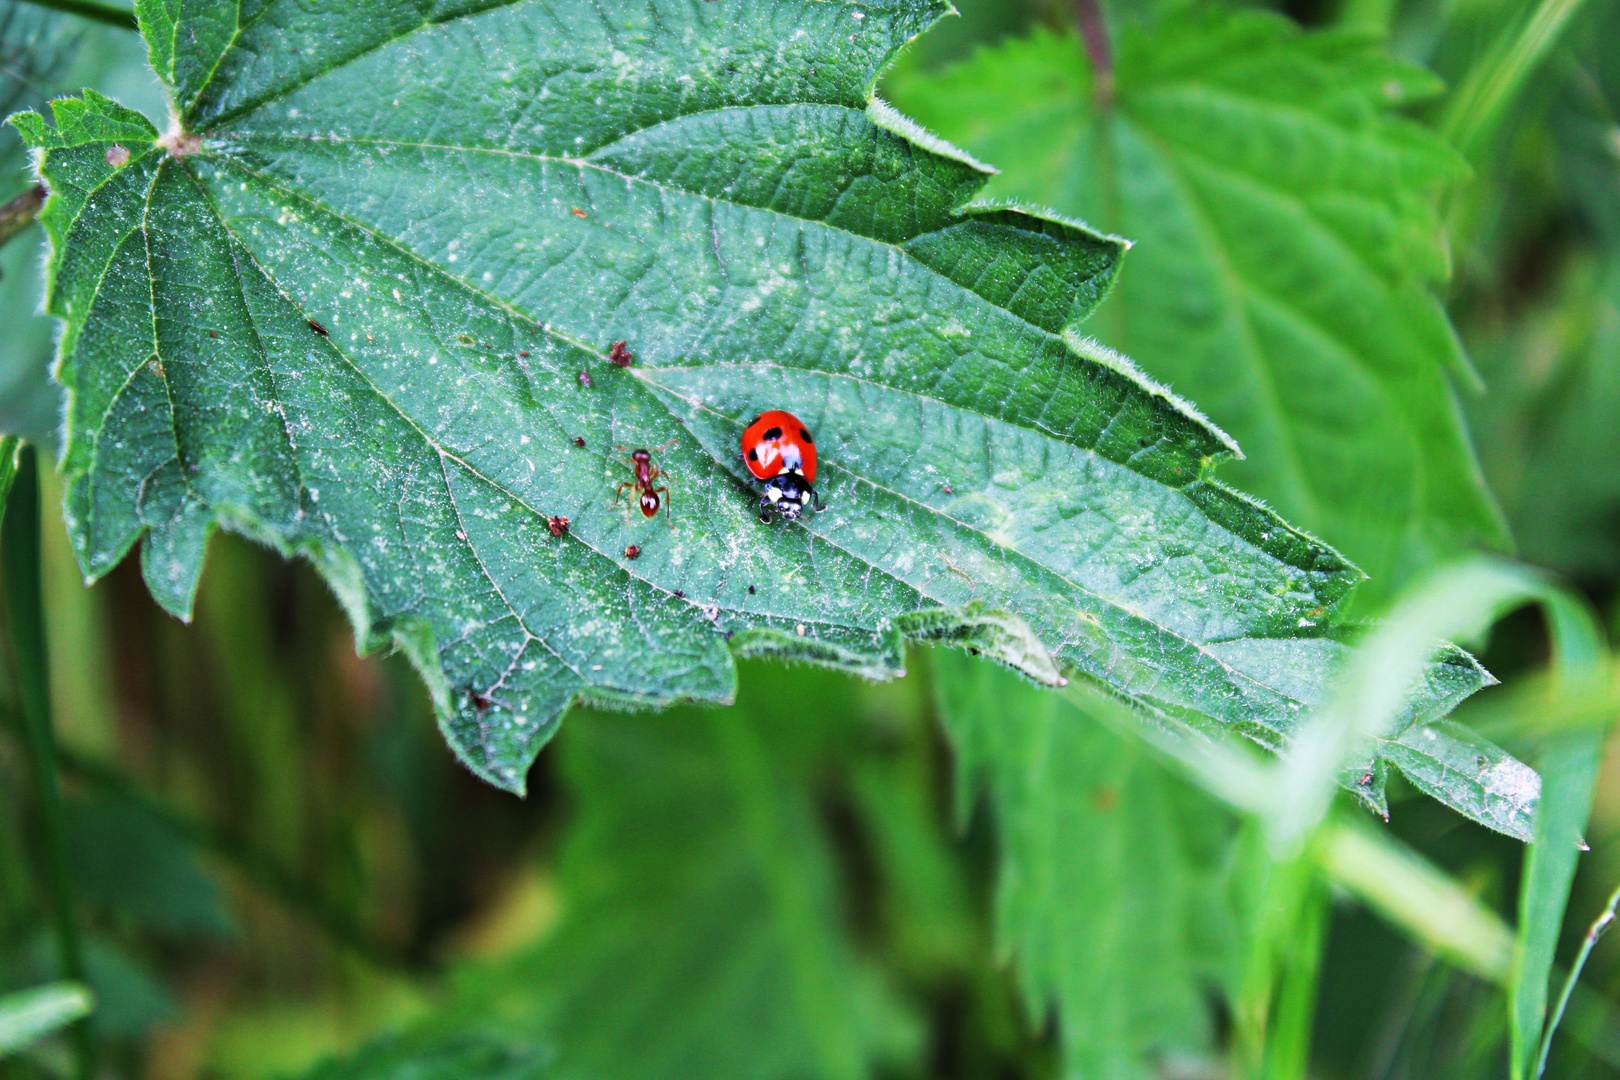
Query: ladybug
x,y
781,455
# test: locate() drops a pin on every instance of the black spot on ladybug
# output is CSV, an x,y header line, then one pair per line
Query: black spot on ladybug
x,y
805,435
752,456
318,328
771,433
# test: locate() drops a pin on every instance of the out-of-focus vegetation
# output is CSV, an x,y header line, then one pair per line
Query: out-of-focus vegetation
x,y
272,858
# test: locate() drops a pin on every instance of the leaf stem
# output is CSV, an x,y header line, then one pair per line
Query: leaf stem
x,y
1094,33
1597,929
122,18
19,535
20,212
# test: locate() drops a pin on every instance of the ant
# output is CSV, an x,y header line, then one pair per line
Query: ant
x,y
647,474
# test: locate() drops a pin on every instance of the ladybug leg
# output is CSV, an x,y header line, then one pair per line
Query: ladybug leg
x,y
815,499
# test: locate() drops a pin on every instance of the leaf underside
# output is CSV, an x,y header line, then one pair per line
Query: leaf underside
x,y
359,304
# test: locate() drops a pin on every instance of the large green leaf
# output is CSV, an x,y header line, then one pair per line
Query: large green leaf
x,y
346,304
1113,892
703,932
1286,241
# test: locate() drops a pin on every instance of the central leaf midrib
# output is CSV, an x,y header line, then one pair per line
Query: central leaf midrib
x,y
518,499
581,163
545,328
1102,600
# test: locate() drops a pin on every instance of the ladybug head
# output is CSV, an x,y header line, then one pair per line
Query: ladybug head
x,y
785,494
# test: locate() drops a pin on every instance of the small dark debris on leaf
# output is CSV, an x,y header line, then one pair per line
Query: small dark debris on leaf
x,y
579,442
730,634
523,354
973,652
480,702
577,212
750,590
946,488
212,334
318,328
679,595
585,379
632,551
557,525
1366,778
621,355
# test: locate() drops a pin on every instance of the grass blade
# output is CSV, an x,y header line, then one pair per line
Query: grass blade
x,y
1599,926
29,1015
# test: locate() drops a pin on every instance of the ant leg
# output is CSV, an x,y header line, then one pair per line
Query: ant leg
x,y
666,446
620,493
665,492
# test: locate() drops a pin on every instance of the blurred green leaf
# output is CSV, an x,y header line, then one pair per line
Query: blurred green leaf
x,y
703,932
129,998
469,1056
761,232
125,858
1286,243
30,1015
1111,893
8,467
36,47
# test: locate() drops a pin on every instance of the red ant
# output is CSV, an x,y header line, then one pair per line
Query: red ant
x,y
647,474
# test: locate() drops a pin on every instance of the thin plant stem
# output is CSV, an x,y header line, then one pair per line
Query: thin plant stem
x,y
107,14
20,212
19,535
1094,33
1597,929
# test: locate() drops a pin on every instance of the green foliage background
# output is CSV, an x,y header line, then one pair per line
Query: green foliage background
x,y
1406,309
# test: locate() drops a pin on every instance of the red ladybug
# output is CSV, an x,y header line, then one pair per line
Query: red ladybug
x,y
782,456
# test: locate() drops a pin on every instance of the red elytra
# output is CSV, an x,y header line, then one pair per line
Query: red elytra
x,y
781,455
778,442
